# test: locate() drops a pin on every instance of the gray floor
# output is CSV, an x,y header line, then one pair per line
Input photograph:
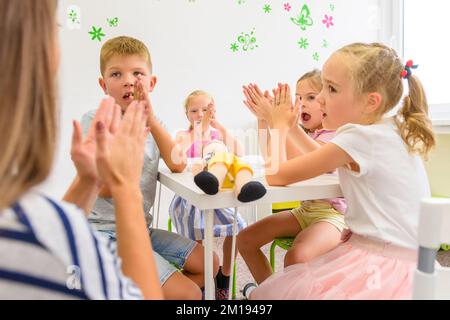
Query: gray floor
x,y
243,275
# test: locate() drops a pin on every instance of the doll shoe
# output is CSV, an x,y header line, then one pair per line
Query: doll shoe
x,y
252,191
207,182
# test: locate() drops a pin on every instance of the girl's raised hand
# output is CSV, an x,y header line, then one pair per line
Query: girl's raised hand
x,y
120,160
213,120
284,114
83,151
269,97
207,117
257,102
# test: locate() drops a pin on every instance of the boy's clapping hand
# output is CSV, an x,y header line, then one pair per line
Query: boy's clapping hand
x,y
141,94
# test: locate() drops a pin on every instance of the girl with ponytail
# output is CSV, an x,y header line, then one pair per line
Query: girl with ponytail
x,y
379,160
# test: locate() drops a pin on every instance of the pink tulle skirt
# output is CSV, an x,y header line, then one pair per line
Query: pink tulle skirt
x,y
359,269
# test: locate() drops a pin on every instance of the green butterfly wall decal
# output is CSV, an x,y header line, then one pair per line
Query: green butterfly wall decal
x,y
304,20
248,41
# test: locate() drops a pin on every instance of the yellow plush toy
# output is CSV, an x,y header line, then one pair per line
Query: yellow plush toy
x,y
222,169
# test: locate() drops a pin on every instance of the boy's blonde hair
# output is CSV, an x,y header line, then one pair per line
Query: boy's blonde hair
x,y
28,115
377,68
123,46
314,78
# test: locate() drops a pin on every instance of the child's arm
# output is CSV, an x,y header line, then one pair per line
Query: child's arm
x,y
264,138
292,148
323,160
302,141
83,193
165,143
230,141
183,142
264,141
326,159
171,152
105,193
167,146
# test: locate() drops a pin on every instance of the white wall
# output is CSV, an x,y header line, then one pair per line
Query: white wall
x,y
190,46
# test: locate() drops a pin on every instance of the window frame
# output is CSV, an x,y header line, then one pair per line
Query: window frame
x,y
393,34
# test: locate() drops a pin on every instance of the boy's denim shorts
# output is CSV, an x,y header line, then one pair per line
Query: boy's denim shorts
x,y
170,251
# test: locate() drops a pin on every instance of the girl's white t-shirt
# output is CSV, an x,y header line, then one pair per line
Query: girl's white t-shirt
x,y
384,197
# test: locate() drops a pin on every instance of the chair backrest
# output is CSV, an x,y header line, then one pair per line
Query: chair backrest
x,y
431,282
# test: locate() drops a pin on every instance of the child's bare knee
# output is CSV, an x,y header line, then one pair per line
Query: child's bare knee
x,y
244,241
185,290
193,292
179,287
299,255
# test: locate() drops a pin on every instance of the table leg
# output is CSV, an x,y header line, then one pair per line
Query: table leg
x,y
233,254
208,243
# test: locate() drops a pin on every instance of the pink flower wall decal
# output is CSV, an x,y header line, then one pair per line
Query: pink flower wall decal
x,y
328,21
287,7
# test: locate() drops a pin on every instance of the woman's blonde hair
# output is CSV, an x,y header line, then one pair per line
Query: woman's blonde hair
x,y
377,68
314,78
27,95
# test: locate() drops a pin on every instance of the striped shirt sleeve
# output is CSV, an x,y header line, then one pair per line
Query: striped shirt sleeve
x,y
92,265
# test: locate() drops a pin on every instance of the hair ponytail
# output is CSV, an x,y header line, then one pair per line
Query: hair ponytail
x,y
413,122
377,68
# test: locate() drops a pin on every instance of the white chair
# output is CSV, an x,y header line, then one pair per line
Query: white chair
x,y
432,282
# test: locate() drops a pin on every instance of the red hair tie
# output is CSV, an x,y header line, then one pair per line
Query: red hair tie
x,y
406,73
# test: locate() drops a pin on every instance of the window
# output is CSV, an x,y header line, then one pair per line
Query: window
x,y
426,42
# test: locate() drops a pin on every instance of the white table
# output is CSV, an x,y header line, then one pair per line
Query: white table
x,y
323,187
